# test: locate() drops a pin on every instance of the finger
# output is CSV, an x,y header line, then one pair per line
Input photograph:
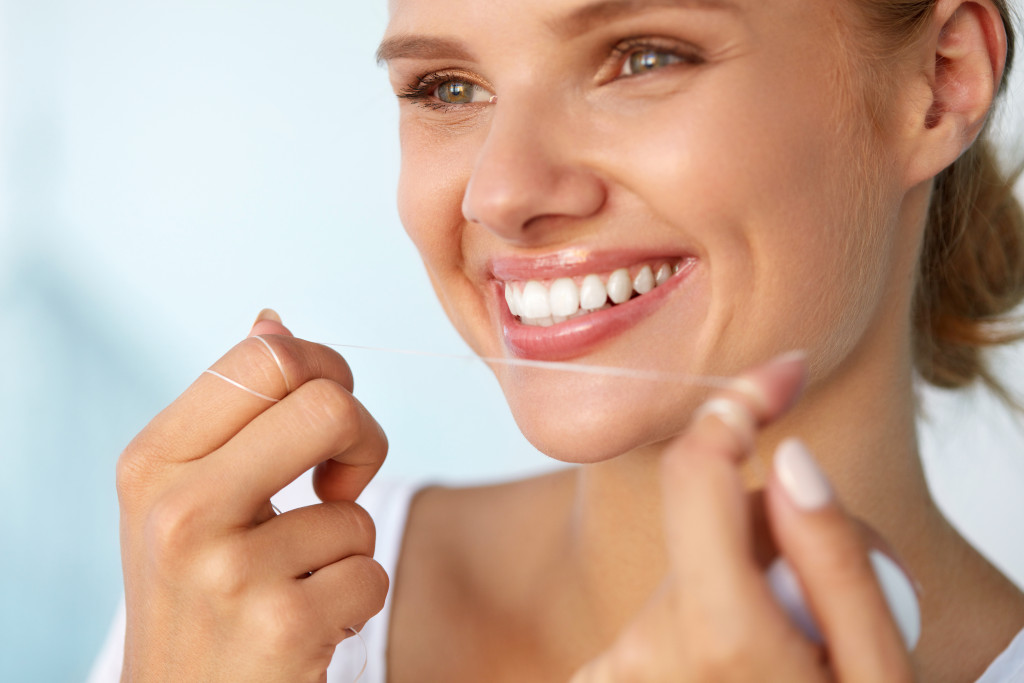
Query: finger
x,y
318,421
707,520
837,572
346,594
269,322
211,411
309,538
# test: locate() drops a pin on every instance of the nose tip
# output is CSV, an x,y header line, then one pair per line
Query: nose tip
x,y
522,175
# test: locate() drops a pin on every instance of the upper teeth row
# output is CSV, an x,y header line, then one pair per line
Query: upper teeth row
x,y
532,300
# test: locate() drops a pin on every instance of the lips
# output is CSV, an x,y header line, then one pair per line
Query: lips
x,y
556,313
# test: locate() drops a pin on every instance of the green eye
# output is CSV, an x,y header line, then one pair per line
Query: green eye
x,y
456,92
649,60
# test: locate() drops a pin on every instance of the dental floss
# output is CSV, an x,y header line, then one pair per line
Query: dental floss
x,y
280,366
241,386
605,370
366,654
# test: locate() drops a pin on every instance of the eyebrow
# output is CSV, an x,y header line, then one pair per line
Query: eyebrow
x,y
584,18
577,22
421,47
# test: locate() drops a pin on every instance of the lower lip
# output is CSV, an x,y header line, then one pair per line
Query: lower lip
x,y
581,335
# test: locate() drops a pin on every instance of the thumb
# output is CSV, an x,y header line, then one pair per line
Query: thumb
x,y
268,322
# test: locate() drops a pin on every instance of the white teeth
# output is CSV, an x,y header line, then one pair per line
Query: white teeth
x,y
620,287
510,300
593,294
644,280
564,298
535,301
539,304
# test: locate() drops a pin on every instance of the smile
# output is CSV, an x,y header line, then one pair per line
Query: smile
x,y
543,303
568,304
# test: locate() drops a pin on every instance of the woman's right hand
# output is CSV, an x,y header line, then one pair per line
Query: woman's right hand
x,y
217,586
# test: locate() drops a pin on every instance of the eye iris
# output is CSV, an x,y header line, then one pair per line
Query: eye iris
x,y
648,60
456,92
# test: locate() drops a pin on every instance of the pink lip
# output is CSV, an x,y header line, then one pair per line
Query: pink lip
x,y
575,337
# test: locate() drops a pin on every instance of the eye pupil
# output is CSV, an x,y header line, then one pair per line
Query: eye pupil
x,y
455,92
648,60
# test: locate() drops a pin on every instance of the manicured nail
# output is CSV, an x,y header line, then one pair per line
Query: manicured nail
x,y
900,595
800,476
268,314
736,416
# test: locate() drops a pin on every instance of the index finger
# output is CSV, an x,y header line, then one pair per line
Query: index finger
x,y
211,411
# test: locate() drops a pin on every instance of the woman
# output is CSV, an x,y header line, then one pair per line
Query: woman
x,y
687,186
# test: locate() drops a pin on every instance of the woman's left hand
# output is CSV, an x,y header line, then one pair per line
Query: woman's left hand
x,y
715,617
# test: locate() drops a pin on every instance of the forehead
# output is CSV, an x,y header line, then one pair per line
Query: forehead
x,y
407,15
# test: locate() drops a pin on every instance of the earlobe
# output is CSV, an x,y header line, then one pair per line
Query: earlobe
x,y
967,53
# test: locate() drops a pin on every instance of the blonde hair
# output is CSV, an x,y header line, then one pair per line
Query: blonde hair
x,y
971,269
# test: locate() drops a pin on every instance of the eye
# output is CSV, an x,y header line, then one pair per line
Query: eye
x,y
444,91
461,92
647,60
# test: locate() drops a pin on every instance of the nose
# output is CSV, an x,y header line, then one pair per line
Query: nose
x,y
529,168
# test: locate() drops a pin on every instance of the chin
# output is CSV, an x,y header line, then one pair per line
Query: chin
x,y
588,420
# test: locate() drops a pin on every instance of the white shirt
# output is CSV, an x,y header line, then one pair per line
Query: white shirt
x,y
388,501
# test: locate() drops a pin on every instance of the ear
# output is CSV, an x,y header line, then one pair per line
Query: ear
x,y
965,53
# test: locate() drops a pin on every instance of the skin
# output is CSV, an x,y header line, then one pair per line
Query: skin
x,y
805,227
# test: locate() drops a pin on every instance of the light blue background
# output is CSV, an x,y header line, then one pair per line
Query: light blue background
x,y
167,169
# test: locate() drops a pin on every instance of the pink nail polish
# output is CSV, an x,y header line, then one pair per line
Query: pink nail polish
x,y
800,476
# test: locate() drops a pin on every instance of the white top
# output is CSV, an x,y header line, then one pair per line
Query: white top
x,y
388,501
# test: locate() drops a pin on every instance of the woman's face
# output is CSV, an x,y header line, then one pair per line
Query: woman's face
x,y
700,161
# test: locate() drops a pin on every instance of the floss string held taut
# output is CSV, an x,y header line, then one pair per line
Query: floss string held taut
x,y
712,381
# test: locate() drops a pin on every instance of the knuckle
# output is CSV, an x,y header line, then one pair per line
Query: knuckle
x,y
282,619
171,529
131,476
358,523
375,582
136,467
223,572
329,406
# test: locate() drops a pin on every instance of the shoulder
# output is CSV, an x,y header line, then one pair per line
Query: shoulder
x,y
1009,665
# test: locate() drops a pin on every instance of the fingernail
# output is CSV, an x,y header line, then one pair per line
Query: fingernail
x,y
800,476
736,416
899,594
268,314
751,386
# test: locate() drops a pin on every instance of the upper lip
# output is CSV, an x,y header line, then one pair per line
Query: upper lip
x,y
575,262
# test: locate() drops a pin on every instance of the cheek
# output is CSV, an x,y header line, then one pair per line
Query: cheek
x,y
432,182
430,190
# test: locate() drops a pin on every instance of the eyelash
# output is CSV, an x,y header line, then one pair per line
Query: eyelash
x,y
421,91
